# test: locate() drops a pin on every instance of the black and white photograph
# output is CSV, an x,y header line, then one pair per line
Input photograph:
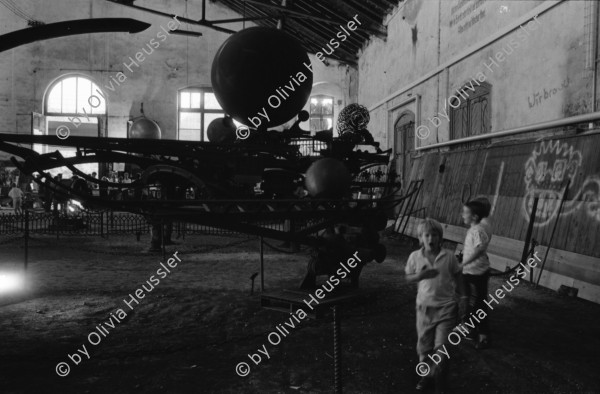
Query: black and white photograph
x,y
299,196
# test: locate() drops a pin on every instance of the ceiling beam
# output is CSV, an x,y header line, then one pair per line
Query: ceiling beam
x,y
70,28
286,10
186,33
340,54
356,38
349,5
379,30
180,18
366,11
255,18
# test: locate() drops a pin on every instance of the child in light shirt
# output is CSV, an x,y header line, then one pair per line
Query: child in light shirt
x,y
438,273
476,265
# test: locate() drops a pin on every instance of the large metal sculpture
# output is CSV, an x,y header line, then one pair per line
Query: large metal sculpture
x,y
224,176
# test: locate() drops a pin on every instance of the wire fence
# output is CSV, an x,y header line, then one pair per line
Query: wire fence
x,y
106,223
92,223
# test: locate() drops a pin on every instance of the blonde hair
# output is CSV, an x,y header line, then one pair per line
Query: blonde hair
x,y
432,226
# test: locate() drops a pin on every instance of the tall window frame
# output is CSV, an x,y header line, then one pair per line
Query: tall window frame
x,y
73,104
196,108
321,112
471,111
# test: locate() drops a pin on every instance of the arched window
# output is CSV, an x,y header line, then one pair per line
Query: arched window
x,y
73,106
321,112
74,95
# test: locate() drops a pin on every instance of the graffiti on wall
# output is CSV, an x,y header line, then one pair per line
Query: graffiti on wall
x,y
537,98
547,170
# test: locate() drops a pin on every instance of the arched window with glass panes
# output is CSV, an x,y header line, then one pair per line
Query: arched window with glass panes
x,y
74,105
321,112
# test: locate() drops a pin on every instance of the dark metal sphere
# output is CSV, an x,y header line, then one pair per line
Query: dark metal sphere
x,y
221,130
145,128
328,178
255,65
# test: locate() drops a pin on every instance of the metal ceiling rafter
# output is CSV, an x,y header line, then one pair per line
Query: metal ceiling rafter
x,y
219,21
355,10
375,5
249,11
366,11
357,43
349,56
379,30
286,10
180,18
316,23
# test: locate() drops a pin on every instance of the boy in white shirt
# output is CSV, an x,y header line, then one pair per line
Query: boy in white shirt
x,y
439,275
476,265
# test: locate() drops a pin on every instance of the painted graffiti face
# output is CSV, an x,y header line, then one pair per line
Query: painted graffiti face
x,y
550,166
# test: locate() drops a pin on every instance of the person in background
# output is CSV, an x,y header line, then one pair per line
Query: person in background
x,y
103,188
476,267
47,193
17,198
113,191
487,222
55,201
93,185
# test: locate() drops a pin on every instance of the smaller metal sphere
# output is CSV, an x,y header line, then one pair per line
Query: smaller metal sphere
x,y
145,128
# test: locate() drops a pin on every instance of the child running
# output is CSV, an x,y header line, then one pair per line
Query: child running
x,y
439,275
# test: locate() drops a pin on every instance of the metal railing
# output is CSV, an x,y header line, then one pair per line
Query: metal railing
x,y
91,223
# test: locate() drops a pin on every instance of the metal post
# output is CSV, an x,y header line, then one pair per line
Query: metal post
x,y
564,197
56,219
262,266
528,236
337,351
102,224
26,238
162,237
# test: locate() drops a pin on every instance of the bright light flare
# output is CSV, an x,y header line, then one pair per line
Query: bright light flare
x,y
74,206
10,282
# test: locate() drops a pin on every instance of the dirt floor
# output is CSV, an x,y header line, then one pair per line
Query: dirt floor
x,y
188,334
